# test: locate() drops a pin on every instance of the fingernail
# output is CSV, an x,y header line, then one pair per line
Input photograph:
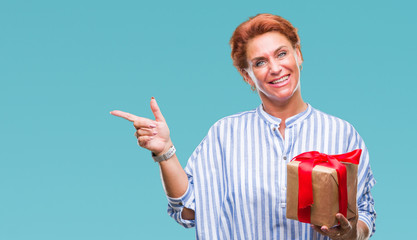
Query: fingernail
x,y
152,125
155,133
152,98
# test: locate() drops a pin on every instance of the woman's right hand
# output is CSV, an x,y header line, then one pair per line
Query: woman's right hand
x,y
151,134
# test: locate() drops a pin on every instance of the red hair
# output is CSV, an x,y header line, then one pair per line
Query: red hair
x,y
255,26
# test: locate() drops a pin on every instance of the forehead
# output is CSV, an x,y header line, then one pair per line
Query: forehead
x,y
266,44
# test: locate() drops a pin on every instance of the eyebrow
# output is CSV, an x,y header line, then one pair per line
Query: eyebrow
x,y
275,52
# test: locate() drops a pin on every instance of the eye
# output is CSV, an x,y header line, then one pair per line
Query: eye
x,y
282,54
260,63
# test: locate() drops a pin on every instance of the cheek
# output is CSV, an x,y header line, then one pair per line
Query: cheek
x,y
289,63
260,74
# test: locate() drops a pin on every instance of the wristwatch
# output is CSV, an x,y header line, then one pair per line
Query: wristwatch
x,y
165,156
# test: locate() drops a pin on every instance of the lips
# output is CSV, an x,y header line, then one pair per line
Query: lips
x,y
282,81
279,80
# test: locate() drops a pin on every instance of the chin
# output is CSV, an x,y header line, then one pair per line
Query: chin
x,y
282,97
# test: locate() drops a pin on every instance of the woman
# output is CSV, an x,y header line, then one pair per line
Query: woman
x,y
234,185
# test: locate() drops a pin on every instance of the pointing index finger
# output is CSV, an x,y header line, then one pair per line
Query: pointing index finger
x,y
125,115
138,122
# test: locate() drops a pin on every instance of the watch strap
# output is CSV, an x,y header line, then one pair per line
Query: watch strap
x,y
171,151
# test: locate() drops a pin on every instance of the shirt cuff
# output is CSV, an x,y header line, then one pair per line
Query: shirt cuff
x,y
369,222
176,205
186,200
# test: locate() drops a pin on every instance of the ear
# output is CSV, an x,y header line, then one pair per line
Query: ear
x,y
299,56
246,77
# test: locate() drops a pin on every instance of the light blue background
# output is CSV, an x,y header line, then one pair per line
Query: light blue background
x,y
70,170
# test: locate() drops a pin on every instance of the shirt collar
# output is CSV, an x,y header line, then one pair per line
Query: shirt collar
x,y
289,121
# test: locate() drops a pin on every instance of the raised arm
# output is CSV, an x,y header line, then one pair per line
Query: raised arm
x,y
154,135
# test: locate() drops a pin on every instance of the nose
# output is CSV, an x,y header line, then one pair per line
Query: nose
x,y
274,67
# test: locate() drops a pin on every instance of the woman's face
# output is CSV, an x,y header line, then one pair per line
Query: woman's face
x,y
273,67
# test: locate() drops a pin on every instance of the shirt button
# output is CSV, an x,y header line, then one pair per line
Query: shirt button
x,y
284,158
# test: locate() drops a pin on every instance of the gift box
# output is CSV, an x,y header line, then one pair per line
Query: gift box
x,y
319,186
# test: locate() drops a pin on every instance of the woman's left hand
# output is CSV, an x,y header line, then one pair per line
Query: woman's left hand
x,y
346,230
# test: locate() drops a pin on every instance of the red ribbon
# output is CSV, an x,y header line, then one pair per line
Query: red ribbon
x,y
305,187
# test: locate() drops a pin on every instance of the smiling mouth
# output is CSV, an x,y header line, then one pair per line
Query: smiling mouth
x,y
279,80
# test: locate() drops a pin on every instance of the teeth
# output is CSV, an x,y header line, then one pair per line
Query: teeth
x,y
280,80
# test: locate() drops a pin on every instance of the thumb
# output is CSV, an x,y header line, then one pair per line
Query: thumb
x,y
156,111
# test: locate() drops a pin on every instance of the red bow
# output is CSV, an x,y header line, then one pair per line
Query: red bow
x,y
305,187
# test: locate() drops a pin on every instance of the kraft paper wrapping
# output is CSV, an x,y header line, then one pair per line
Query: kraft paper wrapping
x,y
325,193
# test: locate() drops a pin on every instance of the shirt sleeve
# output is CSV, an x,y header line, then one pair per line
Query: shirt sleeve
x,y
366,181
176,205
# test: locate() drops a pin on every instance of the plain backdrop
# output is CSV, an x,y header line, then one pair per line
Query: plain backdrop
x,y
70,170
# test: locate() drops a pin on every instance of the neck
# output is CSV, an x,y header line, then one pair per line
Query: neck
x,y
284,109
